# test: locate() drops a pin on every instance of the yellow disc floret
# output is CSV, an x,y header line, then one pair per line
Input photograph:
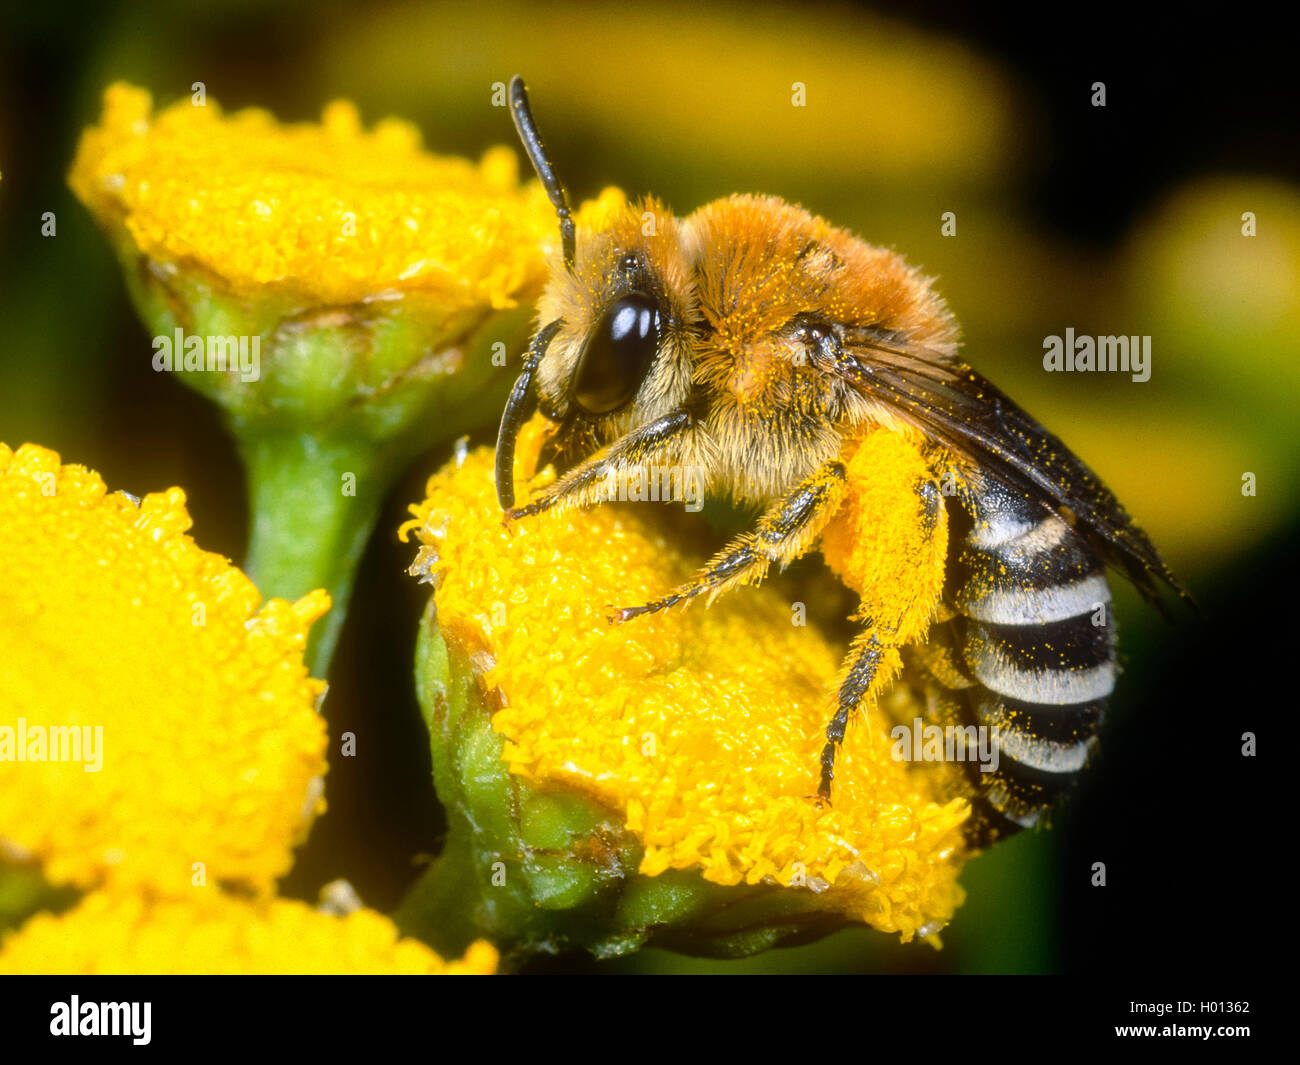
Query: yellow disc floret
x,y
331,213
157,727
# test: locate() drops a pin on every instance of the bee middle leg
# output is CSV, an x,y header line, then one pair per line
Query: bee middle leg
x,y
784,532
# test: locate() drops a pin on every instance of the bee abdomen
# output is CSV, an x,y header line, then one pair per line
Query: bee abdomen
x,y
1035,636
1050,664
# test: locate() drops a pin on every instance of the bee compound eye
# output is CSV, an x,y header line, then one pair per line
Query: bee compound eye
x,y
618,354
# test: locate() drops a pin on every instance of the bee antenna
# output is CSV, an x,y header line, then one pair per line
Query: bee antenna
x,y
532,140
513,416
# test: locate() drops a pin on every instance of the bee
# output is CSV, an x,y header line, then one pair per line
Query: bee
x,y
815,378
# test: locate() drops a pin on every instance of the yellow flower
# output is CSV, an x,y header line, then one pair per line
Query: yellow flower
x,y
212,932
701,729
349,299
330,213
180,711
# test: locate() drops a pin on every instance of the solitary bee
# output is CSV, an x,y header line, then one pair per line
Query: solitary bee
x,y
816,378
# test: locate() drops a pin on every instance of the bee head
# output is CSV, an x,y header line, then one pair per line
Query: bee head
x,y
613,350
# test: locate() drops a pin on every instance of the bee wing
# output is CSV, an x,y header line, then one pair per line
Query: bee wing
x,y
959,408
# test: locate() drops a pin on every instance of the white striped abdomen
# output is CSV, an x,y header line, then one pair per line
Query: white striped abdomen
x,y
1030,654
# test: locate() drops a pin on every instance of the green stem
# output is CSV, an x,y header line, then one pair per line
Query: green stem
x,y
442,906
314,504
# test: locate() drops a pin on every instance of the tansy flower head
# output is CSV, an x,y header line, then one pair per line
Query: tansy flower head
x,y
366,267
696,733
320,214
152,714
349,299
212,932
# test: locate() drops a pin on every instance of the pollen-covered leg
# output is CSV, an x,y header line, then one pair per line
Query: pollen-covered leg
x,y
873,661
589,482
889,543
869,650
782,534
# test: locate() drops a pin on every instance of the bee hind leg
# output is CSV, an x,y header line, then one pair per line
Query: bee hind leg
x,y
897,604
785,531
870,650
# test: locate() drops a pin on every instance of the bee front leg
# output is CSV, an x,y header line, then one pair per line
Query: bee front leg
x,y
782,534
587,483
